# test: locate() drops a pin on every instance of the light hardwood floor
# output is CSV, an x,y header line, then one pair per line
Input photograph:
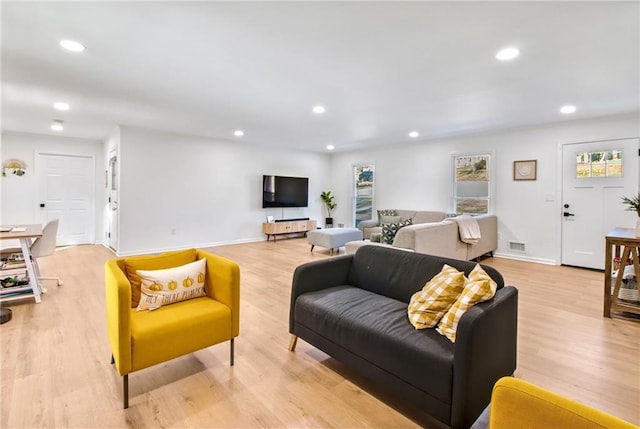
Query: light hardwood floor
x,y
56,371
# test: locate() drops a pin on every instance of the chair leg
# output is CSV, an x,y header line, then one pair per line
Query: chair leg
x,y
232,343
112,360
292,343
57,279
125,392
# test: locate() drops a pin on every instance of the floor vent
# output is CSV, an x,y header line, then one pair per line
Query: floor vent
x,y
516,246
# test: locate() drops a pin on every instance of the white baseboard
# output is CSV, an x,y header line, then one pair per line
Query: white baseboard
x,y
187,246
526,258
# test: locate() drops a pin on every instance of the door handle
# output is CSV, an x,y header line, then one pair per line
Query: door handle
x,y
567,214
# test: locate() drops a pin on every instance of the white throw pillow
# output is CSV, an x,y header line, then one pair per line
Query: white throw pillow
x,y
163,287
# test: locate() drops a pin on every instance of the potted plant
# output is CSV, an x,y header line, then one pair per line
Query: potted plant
x,y
633,204
327,199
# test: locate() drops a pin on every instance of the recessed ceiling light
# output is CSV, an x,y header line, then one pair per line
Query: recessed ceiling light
x,y
507,54
568,109
318,109
57,125
72,45
238,133
414,134
60,106
330,147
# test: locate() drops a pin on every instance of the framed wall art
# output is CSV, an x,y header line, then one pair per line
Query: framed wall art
x,y
525,170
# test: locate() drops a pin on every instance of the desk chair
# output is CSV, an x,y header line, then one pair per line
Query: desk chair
x,y
41,247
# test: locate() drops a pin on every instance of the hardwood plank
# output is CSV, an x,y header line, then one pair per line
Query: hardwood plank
x,y
56,373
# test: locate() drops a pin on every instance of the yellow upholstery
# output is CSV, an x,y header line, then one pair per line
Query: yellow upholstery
x,y
518,404
140,339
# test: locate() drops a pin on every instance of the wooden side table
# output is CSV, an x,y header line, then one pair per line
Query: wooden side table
x,y
617,240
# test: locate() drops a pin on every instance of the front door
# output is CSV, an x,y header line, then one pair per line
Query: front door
x,y
595,177
66,193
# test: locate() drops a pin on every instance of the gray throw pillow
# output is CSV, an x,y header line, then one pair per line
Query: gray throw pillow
x,y
389,219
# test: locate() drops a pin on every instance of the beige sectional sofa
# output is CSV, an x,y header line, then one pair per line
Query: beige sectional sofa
x,y
440,238
369,227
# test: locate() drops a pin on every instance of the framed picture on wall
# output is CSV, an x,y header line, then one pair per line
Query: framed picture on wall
x,y
525,170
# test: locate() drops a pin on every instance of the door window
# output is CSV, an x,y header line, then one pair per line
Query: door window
x,y
599,163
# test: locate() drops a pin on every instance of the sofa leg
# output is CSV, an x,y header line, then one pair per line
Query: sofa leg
x,y
112,360
231,353
292,343
125,393
312,246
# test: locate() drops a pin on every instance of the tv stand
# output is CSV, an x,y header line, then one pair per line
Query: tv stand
x,y
288,226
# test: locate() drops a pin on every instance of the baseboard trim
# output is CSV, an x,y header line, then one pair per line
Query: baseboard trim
x,y
187,246
525,258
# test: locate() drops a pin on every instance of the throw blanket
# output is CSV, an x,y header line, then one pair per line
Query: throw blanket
x,y
468,228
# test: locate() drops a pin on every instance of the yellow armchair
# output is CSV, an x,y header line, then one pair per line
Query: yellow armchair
x,y
518,404
140,339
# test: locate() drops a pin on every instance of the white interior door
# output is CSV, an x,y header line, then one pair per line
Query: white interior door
x,y
66,184
595,176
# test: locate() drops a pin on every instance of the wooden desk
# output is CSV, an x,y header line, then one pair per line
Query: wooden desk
x,y
25,237
615,241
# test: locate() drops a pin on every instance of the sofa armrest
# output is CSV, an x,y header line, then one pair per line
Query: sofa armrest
x,y
435,238
485,351
318,275
488,225
367,224
118,302
516,404
223,285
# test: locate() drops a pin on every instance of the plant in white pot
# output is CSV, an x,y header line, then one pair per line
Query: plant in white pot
x,y
327,199
633,204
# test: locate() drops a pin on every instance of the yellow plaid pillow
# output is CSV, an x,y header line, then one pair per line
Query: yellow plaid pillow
x,y
428,305
478,288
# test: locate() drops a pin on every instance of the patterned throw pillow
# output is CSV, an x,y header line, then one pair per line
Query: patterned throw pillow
x,y
427,306
389,230
390,212
478,288
165,260
163,287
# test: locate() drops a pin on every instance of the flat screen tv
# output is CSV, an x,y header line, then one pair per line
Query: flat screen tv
x,y
281,191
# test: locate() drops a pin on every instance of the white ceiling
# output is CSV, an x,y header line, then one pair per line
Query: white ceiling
x,y
382,69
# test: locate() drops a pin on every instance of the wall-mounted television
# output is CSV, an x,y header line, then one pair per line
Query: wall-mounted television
x,y
281,191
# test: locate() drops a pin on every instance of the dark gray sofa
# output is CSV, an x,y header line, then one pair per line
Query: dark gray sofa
x,y
354,308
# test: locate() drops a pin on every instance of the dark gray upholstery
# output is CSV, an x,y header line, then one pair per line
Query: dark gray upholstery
x,y
354,308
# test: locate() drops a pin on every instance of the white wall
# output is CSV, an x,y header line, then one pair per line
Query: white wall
x,y
418,176
178,191
19,195
209,191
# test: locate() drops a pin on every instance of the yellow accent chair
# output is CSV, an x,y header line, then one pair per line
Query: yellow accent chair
x,y
517,404
140,339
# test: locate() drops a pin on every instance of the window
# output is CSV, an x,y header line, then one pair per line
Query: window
x,y
362,192
599,164
471,183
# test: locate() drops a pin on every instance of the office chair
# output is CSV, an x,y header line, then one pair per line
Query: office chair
x,y
41,247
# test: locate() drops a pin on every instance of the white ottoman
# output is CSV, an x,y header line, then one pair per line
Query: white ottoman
x,y
333,238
